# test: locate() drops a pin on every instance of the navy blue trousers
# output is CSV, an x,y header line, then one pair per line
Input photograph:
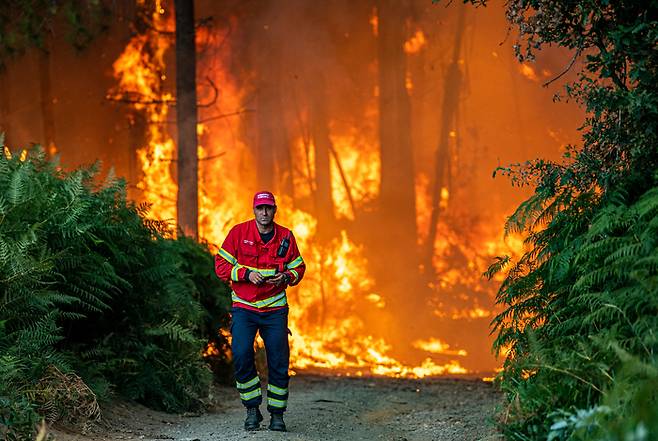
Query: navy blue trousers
x,y
273,329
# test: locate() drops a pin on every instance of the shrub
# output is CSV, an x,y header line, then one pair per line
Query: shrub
x,y
90,287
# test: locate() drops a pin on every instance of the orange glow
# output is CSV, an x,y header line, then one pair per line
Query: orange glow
x,y
408,83
436,346
443,203
210,351
140,81
528,72
414,44
359,159
374,22
527,373
329,309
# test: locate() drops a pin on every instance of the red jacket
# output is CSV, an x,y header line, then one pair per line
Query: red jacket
x,y
243,249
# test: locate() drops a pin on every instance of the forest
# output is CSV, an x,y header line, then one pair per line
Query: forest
x,y
378,124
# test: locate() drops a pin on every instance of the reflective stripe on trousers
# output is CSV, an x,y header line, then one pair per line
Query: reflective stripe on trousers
x,y
273,328
250,390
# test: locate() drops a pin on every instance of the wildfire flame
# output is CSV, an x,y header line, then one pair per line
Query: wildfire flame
x,y
528,72
327,330
415,43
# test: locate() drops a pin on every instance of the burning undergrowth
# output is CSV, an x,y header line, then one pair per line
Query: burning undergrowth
x,y
338,313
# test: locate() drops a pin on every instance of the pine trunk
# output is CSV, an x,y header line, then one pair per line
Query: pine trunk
x,y
322,143
396,246
451,91
5,106
186,118
397,194
47,99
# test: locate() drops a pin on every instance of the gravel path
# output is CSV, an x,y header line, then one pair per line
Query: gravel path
x,y
327,408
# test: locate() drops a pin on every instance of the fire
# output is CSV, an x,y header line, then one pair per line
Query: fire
x,y
210,350
414,44
359,160
374,22
139,73
528,72
9,155
436,346
327,321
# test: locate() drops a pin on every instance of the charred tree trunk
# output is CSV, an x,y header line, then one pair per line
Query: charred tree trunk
x,y
272,154
271,147
397,194
395,246
264,149
46,99
451,91
283,153
324,205
187,203
5,105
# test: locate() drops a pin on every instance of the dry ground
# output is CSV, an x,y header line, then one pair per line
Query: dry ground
x,y
326,408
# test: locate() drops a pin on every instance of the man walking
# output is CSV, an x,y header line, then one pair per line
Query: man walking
x,y
261,258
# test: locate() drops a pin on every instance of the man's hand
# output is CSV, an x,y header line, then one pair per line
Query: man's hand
x,y
256,278
279,279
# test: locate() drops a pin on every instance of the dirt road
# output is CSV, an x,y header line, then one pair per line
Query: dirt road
x,y
327,408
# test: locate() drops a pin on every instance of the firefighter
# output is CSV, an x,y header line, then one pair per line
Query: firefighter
x,y
261,259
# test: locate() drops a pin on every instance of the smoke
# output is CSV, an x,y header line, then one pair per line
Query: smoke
x,y
292,104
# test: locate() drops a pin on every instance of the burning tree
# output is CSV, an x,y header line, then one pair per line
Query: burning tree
x,y
345,167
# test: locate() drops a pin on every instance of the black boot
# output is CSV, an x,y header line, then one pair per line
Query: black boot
x,y
276,422
254,417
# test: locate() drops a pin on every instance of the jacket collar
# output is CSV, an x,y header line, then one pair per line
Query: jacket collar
x,y
277,233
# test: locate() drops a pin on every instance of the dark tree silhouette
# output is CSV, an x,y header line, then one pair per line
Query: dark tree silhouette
x,y
187,203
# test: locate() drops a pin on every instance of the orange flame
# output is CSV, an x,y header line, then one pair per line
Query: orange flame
x,y
528,72
326,320
414,44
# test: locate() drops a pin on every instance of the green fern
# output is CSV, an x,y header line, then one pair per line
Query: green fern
x,y
86,280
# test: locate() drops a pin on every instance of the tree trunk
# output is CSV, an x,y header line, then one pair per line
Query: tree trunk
x,y
395,250
5,106
187,204
46,99
273,160
451,89
397,194
324,205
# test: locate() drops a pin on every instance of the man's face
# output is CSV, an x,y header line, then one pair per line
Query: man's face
x,y
264,214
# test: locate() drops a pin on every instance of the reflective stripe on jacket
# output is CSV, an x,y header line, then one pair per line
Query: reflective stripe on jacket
x,y
243,249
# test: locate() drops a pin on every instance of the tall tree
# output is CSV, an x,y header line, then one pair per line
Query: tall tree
x,y
580,305
272,153
319,121
5,104
397,194
272,147
396,215
451,92
187,203
47,100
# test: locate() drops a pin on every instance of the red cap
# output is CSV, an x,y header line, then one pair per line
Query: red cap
x,y
264,198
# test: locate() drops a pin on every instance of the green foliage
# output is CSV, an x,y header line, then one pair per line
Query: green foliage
x,y
581,305
583,294
629,412
18,417
25,23
89,286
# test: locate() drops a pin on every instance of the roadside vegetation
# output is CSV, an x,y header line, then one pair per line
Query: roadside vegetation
x,y
96,301
580,307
